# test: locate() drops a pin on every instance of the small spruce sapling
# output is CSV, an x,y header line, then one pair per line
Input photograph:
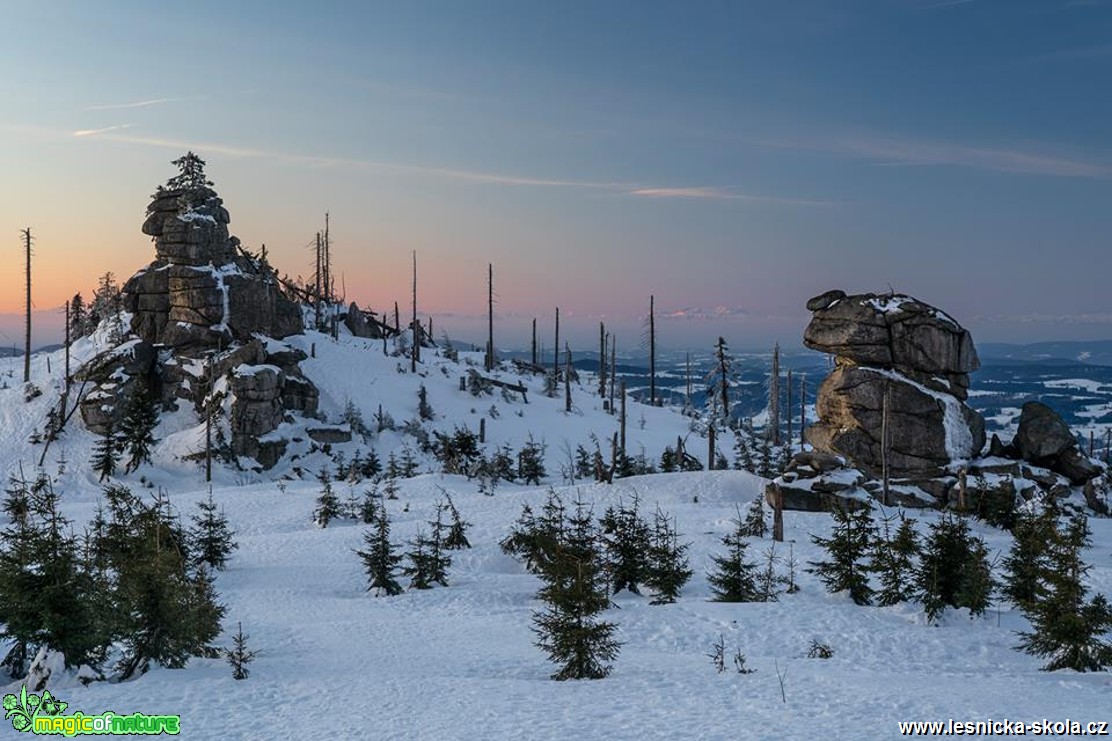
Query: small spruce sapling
x,y
238,655
380,559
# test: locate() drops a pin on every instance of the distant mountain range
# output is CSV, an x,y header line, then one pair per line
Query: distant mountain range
x,y
12,352
1095,352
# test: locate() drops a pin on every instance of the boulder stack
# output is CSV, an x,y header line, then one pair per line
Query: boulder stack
x,y
898,356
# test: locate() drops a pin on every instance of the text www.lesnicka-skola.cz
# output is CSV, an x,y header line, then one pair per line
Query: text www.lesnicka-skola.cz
x,y
1003,728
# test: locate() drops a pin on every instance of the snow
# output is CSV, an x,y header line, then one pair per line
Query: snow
x,y
459,662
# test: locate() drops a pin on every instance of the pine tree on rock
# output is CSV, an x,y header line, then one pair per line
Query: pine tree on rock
x,y
140,417
569,628
1067,629
667,571
213,540
328,504
893,560
239,656
380,559
954,569
734,578
848,548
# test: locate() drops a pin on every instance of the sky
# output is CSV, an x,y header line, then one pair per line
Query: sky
x,y
731,159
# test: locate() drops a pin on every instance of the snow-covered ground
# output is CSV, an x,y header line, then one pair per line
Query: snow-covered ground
x,y
459,662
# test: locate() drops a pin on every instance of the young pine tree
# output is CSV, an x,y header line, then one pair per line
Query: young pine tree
x,y
954,570
380,559
328,504
893,560
1067,629
569,628
755,525
1026,565
104,453
456,539
848,546
626,540
428,564
530,462
734,578
238,655
212,540
667,570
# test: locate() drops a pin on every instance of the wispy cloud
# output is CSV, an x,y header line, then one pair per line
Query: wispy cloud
x,y
96,132
895,151
1085,52
473,176
139,103
944,4
720,194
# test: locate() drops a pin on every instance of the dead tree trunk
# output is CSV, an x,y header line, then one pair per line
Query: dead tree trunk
x,y
556,348
652,350
68,340
710,446
317,287
622,422
534,345
601,360
567,381
774,396
788,411
613,368
490,317
27,334
802,408
415,352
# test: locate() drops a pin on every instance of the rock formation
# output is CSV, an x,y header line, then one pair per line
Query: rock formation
x,y
895,402
919,358
206,318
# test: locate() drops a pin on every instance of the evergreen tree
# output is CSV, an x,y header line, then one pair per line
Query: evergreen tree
x,y
164,612
104,453
140,417
893,560
79,318
372,465
743,453
626,539
530,462
368,510
428,564
668,463
954,570
238,655
191,174
847,547
765,467
424,411
456,539
667,570
720,380
584,468
1068,630
768,582
755,525
380,559
328,504
734,578
1026,563
213,541
569,629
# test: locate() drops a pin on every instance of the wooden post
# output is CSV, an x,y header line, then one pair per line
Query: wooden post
x,y
788,411
27,335
802,408
482,429
886,496
778,515
1090,443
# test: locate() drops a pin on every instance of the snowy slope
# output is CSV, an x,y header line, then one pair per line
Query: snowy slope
x,y
459,662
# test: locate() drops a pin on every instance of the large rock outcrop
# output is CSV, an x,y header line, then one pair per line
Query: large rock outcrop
x,y
897,348
202,290
207,316
897,396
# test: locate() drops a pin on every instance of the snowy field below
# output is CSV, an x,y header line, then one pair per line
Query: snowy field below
x,y
459,662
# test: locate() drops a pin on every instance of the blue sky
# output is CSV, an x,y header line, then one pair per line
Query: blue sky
x,y
731,158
